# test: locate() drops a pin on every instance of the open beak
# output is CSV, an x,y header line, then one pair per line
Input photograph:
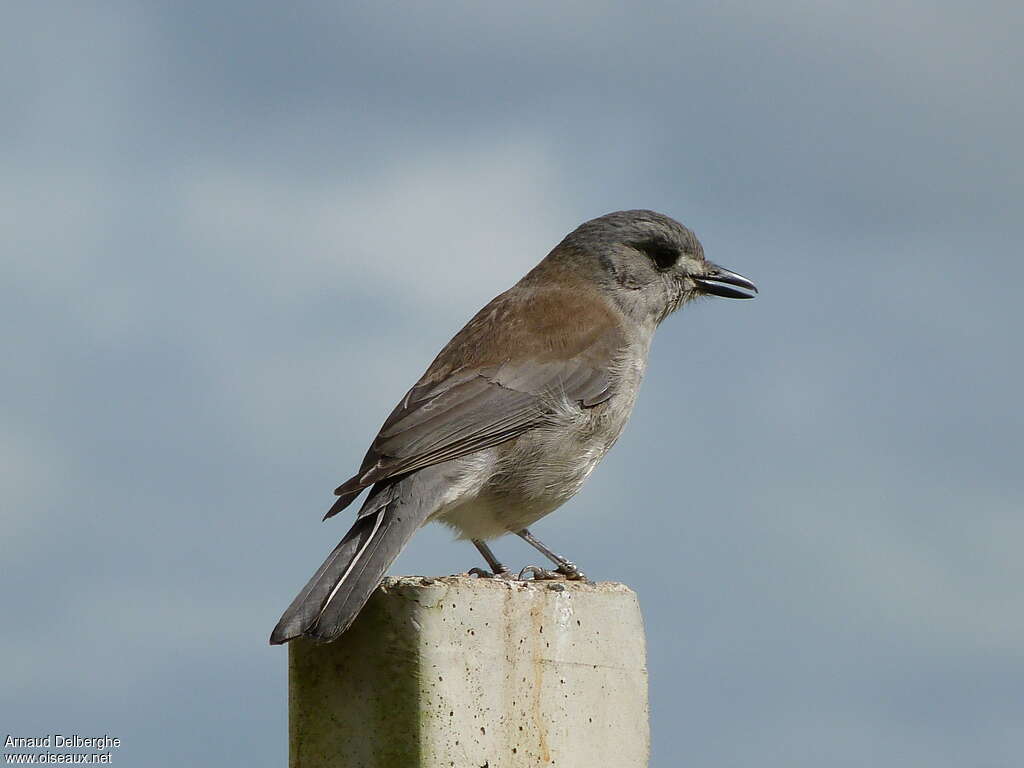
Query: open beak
x,y
718,281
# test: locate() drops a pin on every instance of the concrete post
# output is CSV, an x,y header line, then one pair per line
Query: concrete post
x,y
463,672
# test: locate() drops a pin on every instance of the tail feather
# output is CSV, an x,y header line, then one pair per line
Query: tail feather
x,y
329,603
360,582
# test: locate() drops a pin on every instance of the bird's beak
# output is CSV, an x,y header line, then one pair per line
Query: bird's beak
x,y
718,281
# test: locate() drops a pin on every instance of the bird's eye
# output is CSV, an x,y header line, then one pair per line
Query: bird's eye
x,y
662,254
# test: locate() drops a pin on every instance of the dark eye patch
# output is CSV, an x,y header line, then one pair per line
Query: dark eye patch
x,y
660,252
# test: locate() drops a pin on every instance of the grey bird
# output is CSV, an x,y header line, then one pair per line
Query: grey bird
x,y
517,410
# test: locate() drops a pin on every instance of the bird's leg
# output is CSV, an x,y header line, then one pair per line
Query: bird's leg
x,y
565,567
498,571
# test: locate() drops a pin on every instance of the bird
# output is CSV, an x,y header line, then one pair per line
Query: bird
x,y
516,410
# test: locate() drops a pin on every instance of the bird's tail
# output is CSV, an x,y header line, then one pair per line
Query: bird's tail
x,y
329,603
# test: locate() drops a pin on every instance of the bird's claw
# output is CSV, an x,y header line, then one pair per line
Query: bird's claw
x,y
568,572
538,574
571,572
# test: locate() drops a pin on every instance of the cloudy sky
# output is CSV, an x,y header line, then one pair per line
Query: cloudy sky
x,y
232,235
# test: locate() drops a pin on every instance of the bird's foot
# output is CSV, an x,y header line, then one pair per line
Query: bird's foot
x,y
562,573
538,574
566,568
480,573
571,572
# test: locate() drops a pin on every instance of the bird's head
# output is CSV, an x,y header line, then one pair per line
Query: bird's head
x,y
649,263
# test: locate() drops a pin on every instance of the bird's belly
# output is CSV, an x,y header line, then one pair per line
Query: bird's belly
x,y
511,486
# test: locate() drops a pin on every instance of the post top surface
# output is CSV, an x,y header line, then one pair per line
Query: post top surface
x,y
471,583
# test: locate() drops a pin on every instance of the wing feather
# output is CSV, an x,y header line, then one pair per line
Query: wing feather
x,y
466,403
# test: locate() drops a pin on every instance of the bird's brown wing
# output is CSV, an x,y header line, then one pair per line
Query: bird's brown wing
x,y
495,380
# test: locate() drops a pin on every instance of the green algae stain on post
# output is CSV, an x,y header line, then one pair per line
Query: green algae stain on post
x,y
355,702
